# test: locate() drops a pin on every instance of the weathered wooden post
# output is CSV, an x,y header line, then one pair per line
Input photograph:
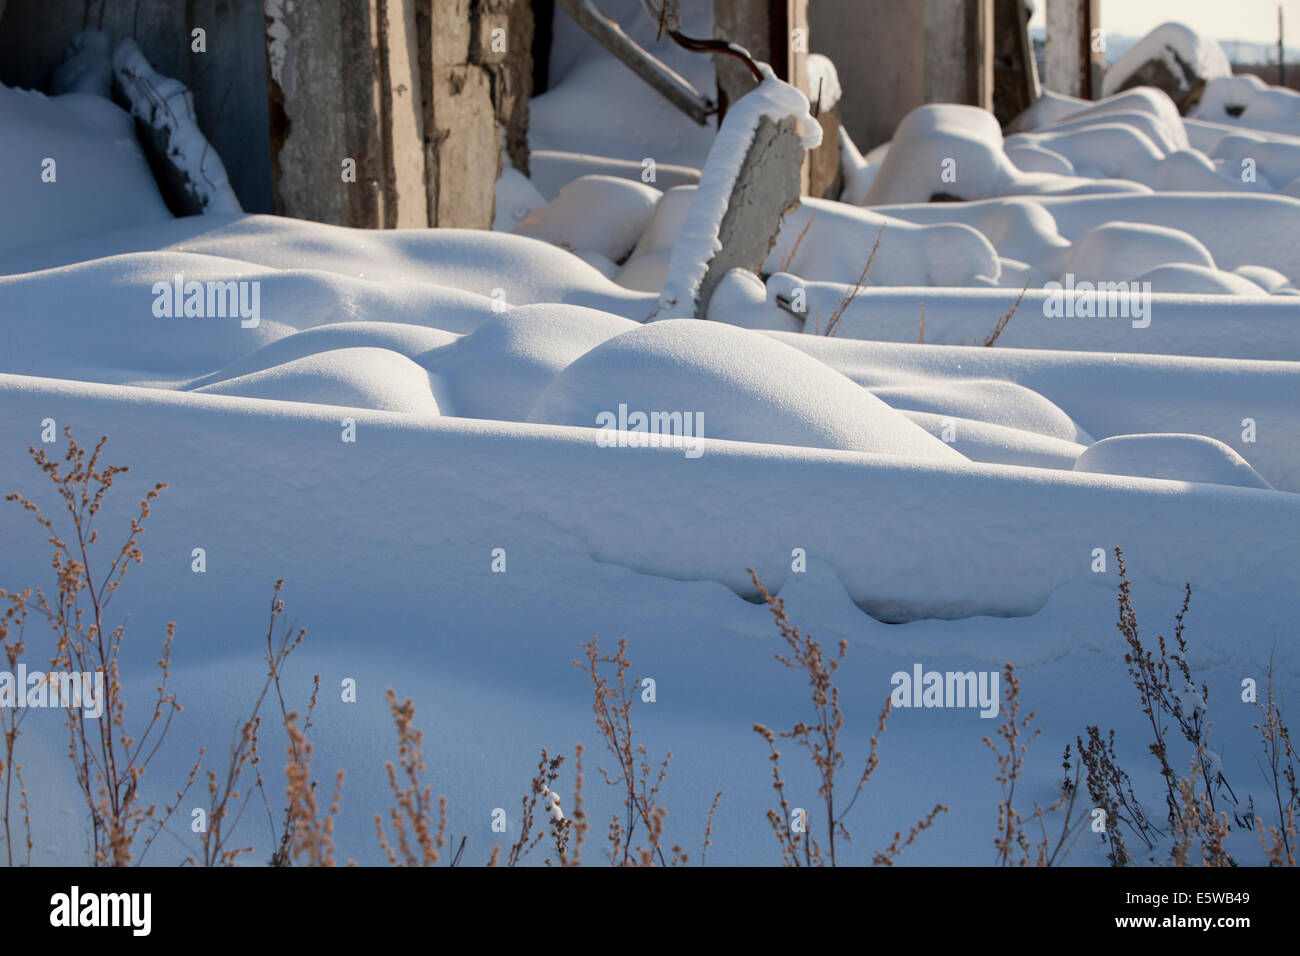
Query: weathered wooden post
x,y
1014,87
959,52
346,123
388,113
1072,60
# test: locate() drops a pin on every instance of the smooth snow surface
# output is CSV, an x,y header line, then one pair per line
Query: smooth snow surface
x,y
441,440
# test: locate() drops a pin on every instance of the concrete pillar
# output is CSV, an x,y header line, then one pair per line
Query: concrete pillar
x,y
1071,66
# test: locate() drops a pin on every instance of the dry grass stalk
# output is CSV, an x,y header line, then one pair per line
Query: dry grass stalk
x,y
1280,762
794,249
12,626
821,739
1012,844
225,793
1004,319
920,335
311,829
110,761
411,814
639,782
832,326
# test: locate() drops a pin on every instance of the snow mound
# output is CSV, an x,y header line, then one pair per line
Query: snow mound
x,y
1032,158
413,341
101,179
1199,280
1176,457
838,242
1119,251
744,386
1270,280
355,377
943,151
743,299
998,444
466,263
992,401
601,214
1249,101
550,171
962,141
1164,124
1187,56
500,369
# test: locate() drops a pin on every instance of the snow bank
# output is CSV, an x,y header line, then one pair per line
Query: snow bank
x,y
1237,229
877,521
415,342
1108,393
1177,457
1125,250
1193,325
744,386
507,269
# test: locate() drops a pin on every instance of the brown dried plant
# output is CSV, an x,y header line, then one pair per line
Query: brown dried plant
x,y
224,793
1012,843
1166,689
798,241
639,783
418,837
821,739
311,829
855,290
1280,762
12,624
110,758
1004,319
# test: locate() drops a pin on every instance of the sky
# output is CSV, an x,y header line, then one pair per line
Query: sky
x,y
1254,20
